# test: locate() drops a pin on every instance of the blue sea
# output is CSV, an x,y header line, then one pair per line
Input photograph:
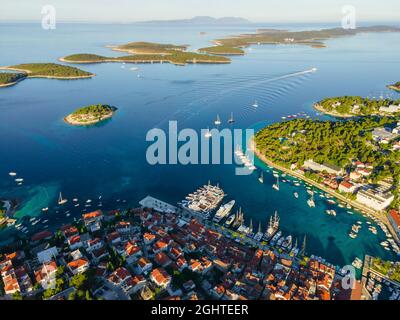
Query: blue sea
x,y
109,160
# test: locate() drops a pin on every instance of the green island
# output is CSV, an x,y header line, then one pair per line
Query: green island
x,y
336,144
387,268
144,52
312,38
349,106
90,115
222,50
148,48
395,86
9,79
42,70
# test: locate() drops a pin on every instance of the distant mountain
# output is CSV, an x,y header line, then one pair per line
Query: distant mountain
x,y
203,20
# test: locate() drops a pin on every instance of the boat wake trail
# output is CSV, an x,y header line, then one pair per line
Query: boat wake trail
x,y
213,92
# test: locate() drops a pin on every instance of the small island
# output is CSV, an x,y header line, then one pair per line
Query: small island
x,y
148,48
9,79
395,87
90,115
146,52
41,70
350,106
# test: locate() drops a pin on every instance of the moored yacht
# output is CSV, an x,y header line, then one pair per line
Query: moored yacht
x,y
223,211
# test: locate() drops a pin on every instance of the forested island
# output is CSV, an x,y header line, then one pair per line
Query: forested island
x,y
395,86
148,48
90,115
41,70
145,52
349,106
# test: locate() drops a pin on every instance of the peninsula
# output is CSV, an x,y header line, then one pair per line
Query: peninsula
x,y
41,70
353,160
146,52
350,106
395,87
9,79
90,115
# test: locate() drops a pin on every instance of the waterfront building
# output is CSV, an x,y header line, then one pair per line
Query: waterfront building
x,y
347,187
329,168
394,219
375,198
390,109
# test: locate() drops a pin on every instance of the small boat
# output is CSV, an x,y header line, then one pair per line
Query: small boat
x,y
255,104
352,235
75,200
62,201
296,195
231,120
19,180
230,220
311,202
331,212
88,201
77,205
45,209
45,221
217,121
276,185
208,134
12,174
330,201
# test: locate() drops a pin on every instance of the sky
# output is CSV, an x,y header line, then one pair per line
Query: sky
x,y
254,10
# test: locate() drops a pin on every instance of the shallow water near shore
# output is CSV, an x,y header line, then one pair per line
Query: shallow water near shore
x,y
106,163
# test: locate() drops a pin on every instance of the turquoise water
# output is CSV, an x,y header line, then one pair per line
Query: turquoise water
x,y
109,160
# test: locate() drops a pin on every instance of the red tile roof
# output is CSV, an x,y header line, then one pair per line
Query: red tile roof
x,y
78,263
91,215
395,216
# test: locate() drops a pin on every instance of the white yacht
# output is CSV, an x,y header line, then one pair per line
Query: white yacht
x,y
223,211
61,201
217,121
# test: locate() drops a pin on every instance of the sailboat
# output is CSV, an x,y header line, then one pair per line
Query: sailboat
x,y
208,133
255,104
61,201
311,202
217,121
261,177
276,185
231,120
296,195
